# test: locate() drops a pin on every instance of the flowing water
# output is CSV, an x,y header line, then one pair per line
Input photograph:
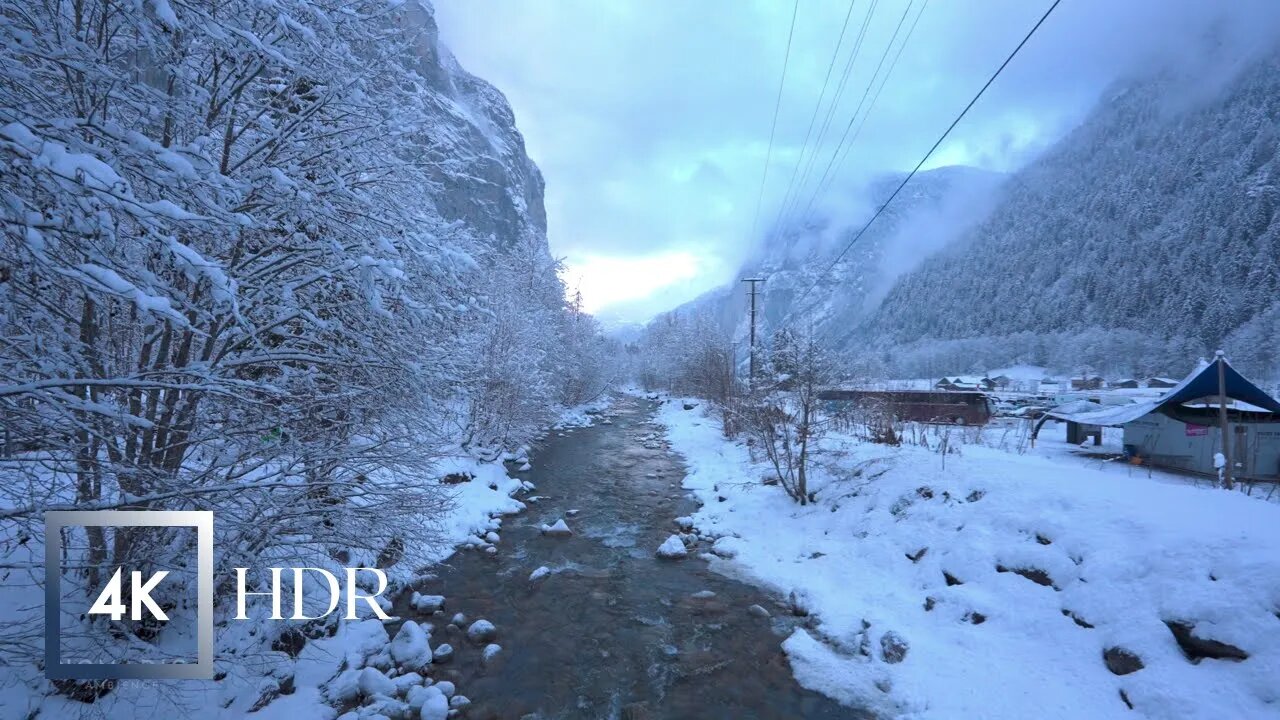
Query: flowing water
x,y
613,632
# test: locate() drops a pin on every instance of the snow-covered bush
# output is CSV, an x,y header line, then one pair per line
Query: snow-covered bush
x,y
781,416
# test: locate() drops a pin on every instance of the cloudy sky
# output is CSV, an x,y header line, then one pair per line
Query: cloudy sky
x,y
651,118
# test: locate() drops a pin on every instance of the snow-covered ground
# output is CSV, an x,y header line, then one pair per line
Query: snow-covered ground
x,y
1008,578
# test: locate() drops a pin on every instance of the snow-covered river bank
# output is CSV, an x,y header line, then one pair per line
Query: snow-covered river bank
x,y
985,583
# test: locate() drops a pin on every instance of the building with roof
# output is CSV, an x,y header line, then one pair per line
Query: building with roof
x,y
1086,382
966,383
1181,428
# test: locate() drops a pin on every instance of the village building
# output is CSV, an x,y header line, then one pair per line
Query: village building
x,y
965,383
1181,429
1086,382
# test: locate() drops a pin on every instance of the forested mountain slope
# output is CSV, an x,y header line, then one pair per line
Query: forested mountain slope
x,y
1146,236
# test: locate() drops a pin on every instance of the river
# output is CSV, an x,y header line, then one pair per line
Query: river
x,y
614,632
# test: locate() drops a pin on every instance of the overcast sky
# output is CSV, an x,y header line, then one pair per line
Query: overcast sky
x,y
651,118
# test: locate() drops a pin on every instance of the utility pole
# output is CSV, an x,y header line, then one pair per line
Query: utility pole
x,y
1224,426
751,378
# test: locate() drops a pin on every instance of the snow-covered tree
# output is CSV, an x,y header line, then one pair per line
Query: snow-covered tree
x,y
270,260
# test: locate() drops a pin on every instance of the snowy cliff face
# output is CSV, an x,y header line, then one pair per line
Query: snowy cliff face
x,y
485,178
1147,236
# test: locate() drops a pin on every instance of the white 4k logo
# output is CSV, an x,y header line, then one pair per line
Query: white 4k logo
x,y
110,602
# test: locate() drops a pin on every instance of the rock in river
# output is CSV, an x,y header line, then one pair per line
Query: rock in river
x,y
490,652
426,603
672,549
443,653
559,529
481,631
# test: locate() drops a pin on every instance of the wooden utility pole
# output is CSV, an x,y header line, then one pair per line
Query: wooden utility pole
x,y
751,377
1224,426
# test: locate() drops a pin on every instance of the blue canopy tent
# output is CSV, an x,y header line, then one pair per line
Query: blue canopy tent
x,y
1181,428
1201,384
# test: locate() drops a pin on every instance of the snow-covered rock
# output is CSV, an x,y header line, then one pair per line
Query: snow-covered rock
x,y
893,648
443,653
365,637
559,529
417,695
459,619
385,707
684,523
525,467
459,701
492,537
446,687
672,548
726,547
490,652
481,631
410,647
426,603
344,687
372,682
539,574
406,681
703,595
435,706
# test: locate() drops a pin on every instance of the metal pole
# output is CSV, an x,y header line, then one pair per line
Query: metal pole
x,y
751,377
1224,426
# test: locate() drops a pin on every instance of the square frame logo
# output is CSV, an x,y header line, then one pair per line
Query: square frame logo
x,y
55,521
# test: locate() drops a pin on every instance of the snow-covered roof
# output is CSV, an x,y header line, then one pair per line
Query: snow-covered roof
x,y
974,380
1200,384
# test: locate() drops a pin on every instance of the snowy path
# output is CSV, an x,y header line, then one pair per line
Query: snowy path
x,y
609,631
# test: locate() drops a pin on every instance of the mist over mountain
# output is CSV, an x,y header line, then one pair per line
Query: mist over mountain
x,y
801,280
1144,238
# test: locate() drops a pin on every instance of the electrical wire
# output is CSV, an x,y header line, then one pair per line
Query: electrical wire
x,y
927,155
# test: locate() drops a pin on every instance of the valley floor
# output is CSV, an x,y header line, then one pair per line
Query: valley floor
x,y
990,583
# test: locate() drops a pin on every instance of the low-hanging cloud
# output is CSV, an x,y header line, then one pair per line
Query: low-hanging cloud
x,y
651,120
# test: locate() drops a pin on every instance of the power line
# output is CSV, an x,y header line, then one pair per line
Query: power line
x,y
804,146
844,137
785,207
827,180
928,154
777,105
